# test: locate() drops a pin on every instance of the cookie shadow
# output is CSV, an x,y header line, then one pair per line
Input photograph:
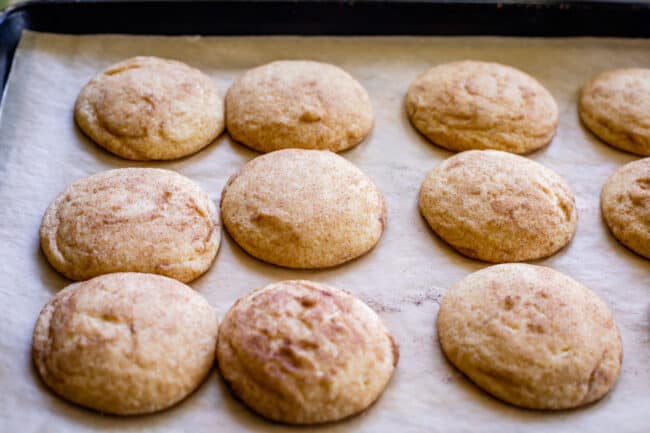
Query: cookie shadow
x,y
452,256
96,421
48,276
600,147
99,155
242,150
620,249
418,138
244,417
355,153
253,265
203,154
499,408
278,273
91,150
253,421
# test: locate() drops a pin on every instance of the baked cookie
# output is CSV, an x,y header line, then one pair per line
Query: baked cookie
x,y
298,104
498,207
301,352
147,108
531,336
615,105
303,209
479,105
131,219
625,202
125,343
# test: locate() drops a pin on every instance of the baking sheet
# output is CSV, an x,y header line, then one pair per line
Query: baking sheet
x,y
403,278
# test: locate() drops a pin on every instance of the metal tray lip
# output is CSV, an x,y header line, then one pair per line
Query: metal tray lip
x,y
26,5
575,5
493,3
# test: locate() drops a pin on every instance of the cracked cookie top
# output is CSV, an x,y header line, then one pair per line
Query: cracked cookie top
x,y
498,207
147,108
298,104
125,343
531,336
615,105
625,204
131,220
303,209
302,352
479,105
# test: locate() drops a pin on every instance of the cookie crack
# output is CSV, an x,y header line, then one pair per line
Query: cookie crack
x,y
250,374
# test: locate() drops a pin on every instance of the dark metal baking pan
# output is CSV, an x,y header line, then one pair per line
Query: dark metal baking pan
x,y
322,17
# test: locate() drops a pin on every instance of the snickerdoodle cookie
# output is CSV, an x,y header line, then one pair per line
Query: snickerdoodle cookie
x,y
625,203
615,105
531,336
147,108
125,343
479,105
298,104
131,220
498,207
303,209
303,353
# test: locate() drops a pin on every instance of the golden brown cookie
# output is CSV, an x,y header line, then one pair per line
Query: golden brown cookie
x,y
615,105
479,105
125,343
301,352
131,220
498,207
303,209
298,104
531,336
625,202
147,108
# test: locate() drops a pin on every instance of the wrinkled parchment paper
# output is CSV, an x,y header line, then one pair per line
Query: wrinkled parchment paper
x,y
403,278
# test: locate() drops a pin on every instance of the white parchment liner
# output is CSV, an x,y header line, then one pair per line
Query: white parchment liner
x,y
41,151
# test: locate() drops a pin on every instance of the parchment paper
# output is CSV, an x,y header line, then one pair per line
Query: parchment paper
x,y
403,278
